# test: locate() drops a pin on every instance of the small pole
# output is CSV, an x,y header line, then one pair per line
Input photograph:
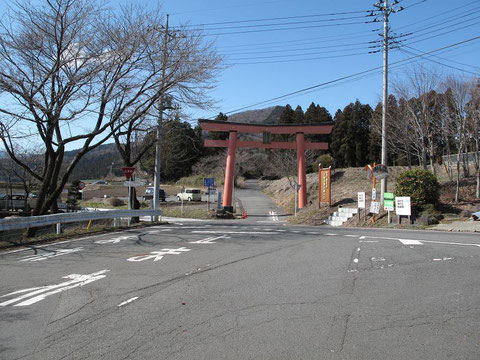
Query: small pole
x,y
129,198
296,195
208,199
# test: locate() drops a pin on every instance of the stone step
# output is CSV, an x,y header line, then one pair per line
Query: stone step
x,y
348,210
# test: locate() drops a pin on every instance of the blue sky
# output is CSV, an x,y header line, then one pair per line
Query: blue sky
x,y
267,64
312,42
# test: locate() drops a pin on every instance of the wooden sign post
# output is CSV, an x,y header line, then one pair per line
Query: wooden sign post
x,y
324,186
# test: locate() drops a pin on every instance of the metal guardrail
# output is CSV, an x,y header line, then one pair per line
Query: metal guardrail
x,y
35,221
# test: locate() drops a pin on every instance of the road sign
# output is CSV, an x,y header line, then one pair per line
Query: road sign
x,y
209,182
128,171
388,205
361,200
403,205
374,207
388,196
374,194
81,185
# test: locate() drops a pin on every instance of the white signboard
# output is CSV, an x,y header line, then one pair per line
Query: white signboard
x,y
374,207
361,200
403,205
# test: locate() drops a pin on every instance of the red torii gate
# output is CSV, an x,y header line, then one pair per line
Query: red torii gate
x,y
232,144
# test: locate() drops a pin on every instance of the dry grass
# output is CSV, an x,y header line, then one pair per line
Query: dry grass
x,y
346,183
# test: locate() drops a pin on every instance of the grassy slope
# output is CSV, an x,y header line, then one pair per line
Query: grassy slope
x,y
347,182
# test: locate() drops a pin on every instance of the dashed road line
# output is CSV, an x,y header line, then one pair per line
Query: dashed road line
x,y
127,301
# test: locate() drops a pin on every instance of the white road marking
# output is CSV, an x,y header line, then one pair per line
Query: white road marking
x,y
355,260
410,242
355,236
53,253
158,255
40,293
270,221
115,240
158,231
421,242
443,259
209,240
377,259
128,301
234,232
273,215
331,234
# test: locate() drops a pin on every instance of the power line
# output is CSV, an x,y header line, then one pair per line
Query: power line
x,y
429,58
278,18
350,76
285,28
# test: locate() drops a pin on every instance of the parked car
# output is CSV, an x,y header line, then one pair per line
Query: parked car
x,y
189,195
162,195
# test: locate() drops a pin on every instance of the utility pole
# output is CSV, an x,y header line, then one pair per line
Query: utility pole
x,y
383,183
386,10
156,182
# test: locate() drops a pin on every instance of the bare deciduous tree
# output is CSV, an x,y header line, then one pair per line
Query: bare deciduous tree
x,y
457,97
421,102
473,129
73,72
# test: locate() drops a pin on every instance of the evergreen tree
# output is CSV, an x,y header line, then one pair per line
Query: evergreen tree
x,y
298,115
350,136
287,117
73,195
219,135
181,147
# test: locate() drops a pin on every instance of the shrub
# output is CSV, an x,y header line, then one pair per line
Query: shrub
x,y
421,185
116,202
326,161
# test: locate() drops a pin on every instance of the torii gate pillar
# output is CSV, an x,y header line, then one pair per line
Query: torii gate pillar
x,y
232,144
229,172
302,177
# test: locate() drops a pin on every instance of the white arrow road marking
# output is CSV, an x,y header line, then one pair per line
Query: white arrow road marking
x,y
209,240
40,293
158,255
420,242
128,301
115,240
48,255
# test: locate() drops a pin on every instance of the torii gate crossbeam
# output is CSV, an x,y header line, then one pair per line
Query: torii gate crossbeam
x,y
233,143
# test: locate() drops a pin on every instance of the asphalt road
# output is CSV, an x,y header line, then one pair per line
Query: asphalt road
x,y
246,289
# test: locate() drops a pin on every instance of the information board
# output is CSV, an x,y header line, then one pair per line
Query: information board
x,y
388,201
374,207
403,206
361,200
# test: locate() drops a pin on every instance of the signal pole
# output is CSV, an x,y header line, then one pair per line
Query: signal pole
x,y
156,181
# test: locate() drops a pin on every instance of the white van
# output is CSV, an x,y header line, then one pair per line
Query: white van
x,y
190,195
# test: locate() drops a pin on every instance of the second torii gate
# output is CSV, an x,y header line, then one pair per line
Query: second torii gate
x,y
232,144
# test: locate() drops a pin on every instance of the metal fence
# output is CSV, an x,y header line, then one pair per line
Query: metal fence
x,y
58,219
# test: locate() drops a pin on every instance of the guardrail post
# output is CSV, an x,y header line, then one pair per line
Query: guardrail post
x,y
59,228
